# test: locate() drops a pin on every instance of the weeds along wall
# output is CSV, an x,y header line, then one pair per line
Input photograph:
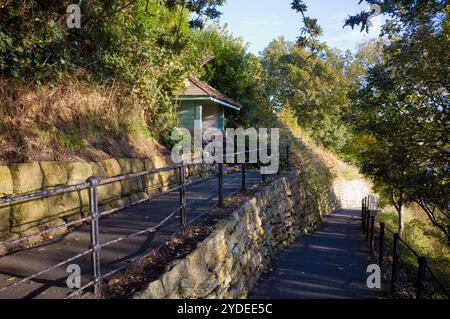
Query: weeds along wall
x,y
30,217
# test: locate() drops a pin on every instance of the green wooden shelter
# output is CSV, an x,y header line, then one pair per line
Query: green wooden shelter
x,y
201,102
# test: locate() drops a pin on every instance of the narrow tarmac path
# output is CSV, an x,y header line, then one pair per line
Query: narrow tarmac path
x,y
52,284
329,264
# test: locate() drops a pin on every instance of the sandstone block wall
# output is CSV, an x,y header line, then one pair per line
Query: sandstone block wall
x,y
231,260
30,217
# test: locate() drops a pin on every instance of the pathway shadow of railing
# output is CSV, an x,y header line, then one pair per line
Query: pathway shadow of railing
x,y
112,226
319,265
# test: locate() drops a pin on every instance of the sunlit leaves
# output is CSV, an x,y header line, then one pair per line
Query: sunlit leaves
x,y
314,87
311,30
404,103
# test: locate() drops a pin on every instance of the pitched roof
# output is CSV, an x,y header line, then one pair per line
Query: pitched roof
x,y
198,88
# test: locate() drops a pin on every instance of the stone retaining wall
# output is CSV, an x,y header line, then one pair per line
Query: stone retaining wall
x,y
30,217
230,261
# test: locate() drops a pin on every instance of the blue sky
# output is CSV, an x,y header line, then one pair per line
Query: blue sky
x,y
260,21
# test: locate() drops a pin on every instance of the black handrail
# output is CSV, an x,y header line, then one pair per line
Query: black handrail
x,y
368,213
92,185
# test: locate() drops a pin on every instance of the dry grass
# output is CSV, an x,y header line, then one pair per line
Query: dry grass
x,y
72,121
424,238
77,121
314,157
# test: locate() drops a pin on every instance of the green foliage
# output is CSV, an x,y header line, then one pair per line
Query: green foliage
x,y
229,67
311,30
398,110
142,46
34,38
315,87
405,15
425,239
403,106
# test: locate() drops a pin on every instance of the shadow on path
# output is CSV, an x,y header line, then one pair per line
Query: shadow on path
x,y
52,284
329,264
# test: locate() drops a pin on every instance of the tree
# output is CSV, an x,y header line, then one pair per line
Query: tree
x,y
403,104
231,69
315,87
311,30
36,43
140,48
386,156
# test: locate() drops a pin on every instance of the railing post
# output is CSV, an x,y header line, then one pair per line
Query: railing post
x,y
263,176
182,179
244,169
381,252
288,160
221,201
362,212
279,160
394,260
372,232
423,262
244,182
95,240
368,217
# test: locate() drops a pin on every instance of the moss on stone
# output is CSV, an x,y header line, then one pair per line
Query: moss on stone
x,y
152,185
6,182
78,172
125,164
131,186
120,203
109,192
137,165
5,212
54,174
148,164
65,204
112,167
26,177
138,197
98,170
28,214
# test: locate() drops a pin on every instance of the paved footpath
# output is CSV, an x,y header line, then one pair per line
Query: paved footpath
x,y
53,284
329,264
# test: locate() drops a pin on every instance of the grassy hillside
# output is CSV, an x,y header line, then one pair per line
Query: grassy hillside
x,y
319,163
71,121
425,239
100,91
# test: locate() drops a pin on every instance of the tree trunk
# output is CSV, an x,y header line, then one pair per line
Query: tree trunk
x,y
401,221
399,206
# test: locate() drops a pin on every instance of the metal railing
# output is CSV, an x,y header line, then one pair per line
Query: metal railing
x,y
93,184
406,269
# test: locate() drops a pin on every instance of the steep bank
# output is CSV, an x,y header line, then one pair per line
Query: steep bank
x,y
71,122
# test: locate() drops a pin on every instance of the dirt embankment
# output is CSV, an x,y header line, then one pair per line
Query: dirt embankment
x,y
70,122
